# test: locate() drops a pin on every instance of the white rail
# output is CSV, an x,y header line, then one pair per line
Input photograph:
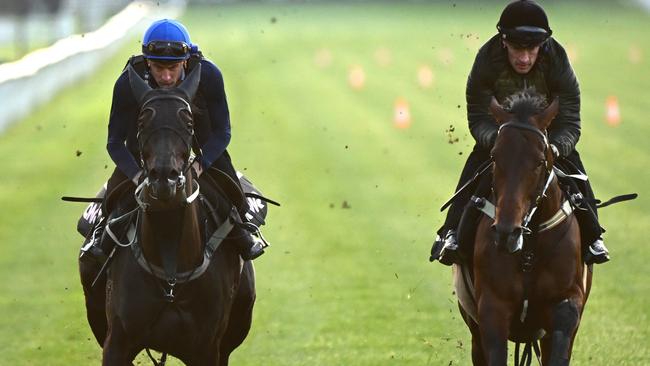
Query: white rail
x,y
37,77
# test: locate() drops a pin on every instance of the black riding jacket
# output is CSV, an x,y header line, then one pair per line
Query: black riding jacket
x,y
551,75
210,112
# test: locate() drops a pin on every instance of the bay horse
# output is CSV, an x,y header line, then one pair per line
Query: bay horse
x,y
176,286
529,280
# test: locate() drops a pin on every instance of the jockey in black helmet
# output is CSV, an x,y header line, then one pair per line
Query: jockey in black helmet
x,y
167,55
522,55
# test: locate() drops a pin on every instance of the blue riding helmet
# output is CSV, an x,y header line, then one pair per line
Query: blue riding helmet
x,y
167,40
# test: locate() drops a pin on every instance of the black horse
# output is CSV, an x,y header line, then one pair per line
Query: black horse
x,y
175,284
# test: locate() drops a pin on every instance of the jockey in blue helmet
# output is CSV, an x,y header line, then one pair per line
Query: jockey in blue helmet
x,y
167,55
166,40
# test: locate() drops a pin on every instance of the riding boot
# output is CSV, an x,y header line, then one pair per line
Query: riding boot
x,y
445,247
594,249
450,253
250,243
92,250
597,252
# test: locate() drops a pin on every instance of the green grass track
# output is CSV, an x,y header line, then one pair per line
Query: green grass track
x,y
347,280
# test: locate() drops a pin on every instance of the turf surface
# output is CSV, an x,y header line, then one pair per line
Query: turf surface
x,y
347,281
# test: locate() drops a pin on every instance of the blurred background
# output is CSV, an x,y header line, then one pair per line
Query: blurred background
x,y
352,115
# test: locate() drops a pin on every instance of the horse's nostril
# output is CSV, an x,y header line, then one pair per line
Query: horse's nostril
x,y
153,174
173,174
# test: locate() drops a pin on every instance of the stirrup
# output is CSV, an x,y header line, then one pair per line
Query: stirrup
x,y
259,242
256,250
597,253
93,250
436,248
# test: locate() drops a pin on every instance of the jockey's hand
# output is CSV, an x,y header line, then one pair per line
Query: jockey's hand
x,y
198,169
556,152
136,178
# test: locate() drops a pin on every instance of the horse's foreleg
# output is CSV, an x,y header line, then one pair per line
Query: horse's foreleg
x,y
241,314
494,321
477,351
566,317
478,358
95,298
115,345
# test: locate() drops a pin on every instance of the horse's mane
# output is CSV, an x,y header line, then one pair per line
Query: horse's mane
x,y
525,103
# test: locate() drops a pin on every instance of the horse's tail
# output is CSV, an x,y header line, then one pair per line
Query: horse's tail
x,y
527,354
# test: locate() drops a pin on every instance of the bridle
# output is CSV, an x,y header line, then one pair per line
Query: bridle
x,y
185,135
543,183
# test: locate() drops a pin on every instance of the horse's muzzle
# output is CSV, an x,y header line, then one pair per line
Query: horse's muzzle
x,y
164,189
508,239
165,181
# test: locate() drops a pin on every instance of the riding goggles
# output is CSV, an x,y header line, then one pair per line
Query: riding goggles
x,y
166,50
525,36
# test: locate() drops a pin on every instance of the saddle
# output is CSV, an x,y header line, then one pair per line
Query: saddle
x,y
249,202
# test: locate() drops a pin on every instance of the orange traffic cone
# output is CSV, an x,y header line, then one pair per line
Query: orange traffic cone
x,y
402,114
356,77
613,114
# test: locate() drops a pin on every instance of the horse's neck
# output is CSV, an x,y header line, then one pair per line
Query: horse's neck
x,y
175,228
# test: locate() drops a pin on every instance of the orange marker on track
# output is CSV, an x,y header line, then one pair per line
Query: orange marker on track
x,y
402,114
613,113
356,77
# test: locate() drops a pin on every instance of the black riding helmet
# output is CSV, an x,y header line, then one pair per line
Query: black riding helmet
x,y
524,23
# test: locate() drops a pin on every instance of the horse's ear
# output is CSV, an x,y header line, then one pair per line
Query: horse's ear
x,y
543,120
498,112
191,82
138,85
